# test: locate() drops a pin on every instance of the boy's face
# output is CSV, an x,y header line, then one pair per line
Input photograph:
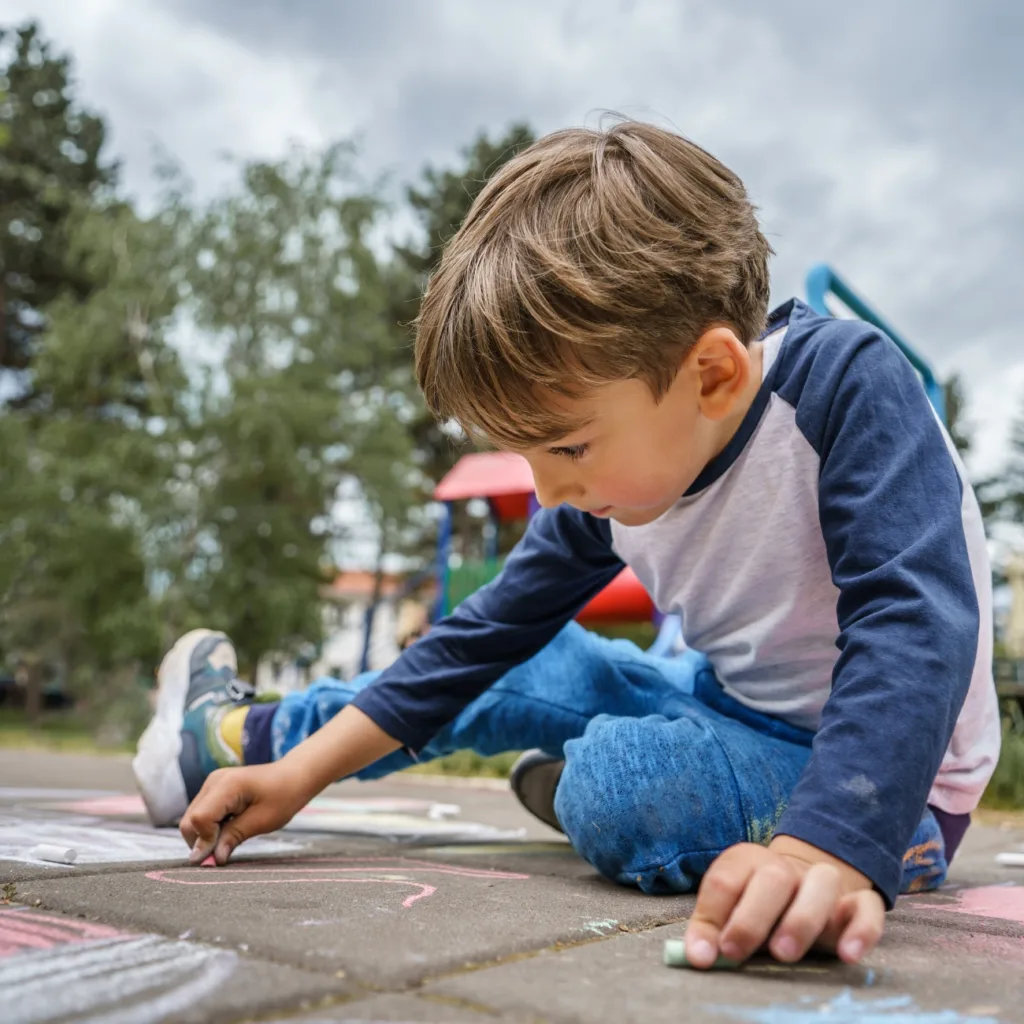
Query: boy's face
x,y
634,457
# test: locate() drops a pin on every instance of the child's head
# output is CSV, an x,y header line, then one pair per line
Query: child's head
x,y
593,313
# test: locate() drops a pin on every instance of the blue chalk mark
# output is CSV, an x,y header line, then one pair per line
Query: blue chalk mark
x,y
844,1009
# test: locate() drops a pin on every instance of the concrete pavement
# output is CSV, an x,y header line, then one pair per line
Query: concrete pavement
x,y
385,904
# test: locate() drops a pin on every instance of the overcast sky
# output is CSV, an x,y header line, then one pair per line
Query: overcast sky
x,y
886,138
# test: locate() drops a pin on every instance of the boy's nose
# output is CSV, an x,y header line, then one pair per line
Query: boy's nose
x,y
554,489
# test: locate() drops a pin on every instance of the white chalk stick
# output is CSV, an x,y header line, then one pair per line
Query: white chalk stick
x,y
54,854
1010,860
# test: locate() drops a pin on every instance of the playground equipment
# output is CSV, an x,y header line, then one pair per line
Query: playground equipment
x,y
505,482
822,281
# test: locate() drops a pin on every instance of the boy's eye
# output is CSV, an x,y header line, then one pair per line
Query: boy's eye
x,y
574,452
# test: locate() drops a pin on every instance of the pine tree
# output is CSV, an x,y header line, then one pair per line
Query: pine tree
x,y
441,201
52,161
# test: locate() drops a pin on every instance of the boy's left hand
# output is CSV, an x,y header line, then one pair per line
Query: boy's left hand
x,y
789,892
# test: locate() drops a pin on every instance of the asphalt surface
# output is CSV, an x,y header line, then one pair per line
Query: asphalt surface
x,y
419,921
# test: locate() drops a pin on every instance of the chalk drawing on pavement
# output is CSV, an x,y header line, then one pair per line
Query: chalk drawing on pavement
x,y
52,968
846,1009
399,818
23,930
1002,902
28,793
389,871
98,842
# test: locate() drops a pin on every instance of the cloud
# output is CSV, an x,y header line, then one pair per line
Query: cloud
x,y
885,138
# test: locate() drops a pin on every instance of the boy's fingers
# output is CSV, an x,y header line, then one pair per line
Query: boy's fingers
x,y
763,902
217,800
253,821
808,915
864,914
719,892
202,848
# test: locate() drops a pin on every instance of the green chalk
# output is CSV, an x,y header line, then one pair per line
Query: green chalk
x,y
675,956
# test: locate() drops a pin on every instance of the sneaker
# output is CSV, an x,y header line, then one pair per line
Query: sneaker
x,y
196,685
534,779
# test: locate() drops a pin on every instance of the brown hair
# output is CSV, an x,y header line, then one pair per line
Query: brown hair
x,y
591,257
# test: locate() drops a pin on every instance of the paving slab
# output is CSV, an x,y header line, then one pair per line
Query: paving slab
x,y
919,976
503,931
385,919
59,968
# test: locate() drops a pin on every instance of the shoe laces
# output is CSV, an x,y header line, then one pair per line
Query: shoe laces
x,y
239,690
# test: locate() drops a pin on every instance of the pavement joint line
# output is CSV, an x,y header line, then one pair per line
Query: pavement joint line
x,y
303,1009
459,1003
474,967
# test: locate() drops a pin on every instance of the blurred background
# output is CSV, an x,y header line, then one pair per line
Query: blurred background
x,y
215,223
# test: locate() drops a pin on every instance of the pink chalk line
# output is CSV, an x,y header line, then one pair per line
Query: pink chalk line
x,y
1002,902
358,865
23,929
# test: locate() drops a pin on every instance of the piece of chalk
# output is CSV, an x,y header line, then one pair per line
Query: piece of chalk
x,y
675,956
1010,859
54,854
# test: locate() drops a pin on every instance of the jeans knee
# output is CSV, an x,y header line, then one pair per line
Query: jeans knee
x,y
648,801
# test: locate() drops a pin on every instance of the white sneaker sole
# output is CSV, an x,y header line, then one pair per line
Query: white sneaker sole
x,y
157,772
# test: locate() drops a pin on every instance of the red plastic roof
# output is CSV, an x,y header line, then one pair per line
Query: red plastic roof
x,y
486,475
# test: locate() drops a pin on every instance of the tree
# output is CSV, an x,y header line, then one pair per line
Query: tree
x,y
84,463
441,201
960,429
1002,497
312,389
52,161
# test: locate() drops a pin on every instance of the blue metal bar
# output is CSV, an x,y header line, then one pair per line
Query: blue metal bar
x,y
491,534
444,547
822,279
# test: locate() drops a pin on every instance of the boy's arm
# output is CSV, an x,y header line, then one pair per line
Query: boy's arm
x,y
563,560
890,504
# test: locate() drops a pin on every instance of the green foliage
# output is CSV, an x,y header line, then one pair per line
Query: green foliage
x,y
1002,498
314,388
960,429
84,462
1006,790
468,763
441,201
51,163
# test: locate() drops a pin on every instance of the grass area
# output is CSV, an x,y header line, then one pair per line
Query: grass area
x,y
1006,790
466,763
60,731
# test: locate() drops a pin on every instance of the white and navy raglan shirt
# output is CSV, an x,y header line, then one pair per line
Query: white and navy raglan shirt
x,y
831,564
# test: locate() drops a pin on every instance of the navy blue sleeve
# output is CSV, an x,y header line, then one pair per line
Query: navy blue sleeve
x,y
890,502
563,560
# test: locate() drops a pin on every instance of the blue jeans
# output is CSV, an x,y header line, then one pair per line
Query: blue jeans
x,y
663,770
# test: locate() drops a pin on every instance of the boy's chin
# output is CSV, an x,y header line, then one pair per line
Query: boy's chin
x,y
636,516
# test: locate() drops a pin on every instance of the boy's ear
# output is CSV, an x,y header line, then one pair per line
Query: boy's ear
x,y
721,363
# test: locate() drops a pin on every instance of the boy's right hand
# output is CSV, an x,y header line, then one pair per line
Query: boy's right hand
x,y
236,804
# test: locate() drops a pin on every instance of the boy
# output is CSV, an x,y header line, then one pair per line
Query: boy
x,y
780,481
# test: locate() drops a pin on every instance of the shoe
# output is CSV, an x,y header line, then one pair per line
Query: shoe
x,y
534,779
197,684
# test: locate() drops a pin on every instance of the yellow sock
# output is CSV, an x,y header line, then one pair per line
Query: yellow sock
x,y
231,726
